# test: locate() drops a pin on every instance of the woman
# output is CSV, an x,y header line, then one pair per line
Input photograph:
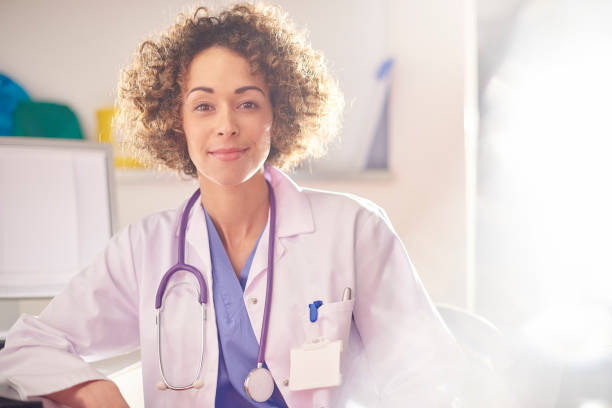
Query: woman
x,y
313,288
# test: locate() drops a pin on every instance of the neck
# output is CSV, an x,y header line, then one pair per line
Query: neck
x,y
239,212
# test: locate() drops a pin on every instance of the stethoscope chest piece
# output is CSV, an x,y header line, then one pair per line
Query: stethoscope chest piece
x,y
259,384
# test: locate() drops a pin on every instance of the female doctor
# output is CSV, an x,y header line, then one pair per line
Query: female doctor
x,y
255,292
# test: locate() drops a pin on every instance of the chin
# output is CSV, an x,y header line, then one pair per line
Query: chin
x,y
229,177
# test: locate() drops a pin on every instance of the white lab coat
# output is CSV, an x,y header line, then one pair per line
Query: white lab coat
x,y
397,350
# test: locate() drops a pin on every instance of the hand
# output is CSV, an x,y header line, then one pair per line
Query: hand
x,y
91,394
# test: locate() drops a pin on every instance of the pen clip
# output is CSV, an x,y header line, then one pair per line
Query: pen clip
x,y
346,295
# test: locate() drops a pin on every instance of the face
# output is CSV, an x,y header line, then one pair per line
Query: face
x,y
227,116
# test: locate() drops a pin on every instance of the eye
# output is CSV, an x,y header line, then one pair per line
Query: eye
x,y
248,105
203,107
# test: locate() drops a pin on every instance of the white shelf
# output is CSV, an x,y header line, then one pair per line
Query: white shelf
x,y
138,176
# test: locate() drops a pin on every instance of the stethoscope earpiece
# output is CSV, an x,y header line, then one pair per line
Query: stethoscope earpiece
x,y
198,384
161,386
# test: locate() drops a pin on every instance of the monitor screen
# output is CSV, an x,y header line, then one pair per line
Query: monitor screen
x,y
57,212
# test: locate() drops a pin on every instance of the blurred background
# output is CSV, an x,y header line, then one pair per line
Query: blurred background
x,y
482,127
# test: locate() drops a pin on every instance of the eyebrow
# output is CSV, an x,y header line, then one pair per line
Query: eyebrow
x,y
240,90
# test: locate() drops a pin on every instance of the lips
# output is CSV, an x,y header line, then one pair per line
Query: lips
x,y
228,153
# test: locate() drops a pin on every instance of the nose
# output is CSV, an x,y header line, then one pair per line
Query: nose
x,y
226,126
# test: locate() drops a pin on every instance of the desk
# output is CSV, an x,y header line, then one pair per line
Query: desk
x,y
126,372
7,403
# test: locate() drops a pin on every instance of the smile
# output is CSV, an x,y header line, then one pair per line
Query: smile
x,y
228,154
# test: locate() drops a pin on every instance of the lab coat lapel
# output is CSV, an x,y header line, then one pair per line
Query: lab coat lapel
x,y
293,217
260,259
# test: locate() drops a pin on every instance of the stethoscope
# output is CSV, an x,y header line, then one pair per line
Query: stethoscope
x,y
259,384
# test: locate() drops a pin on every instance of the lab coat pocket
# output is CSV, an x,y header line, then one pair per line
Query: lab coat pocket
x,y
333,322
316,365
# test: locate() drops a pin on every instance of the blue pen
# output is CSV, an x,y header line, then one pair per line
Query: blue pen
x,y
314,306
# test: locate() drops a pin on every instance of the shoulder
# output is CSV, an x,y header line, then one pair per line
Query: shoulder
x,y
161,220
341,203
346,209
328,207
161,225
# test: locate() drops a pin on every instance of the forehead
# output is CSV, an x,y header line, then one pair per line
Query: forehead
x,y
220,67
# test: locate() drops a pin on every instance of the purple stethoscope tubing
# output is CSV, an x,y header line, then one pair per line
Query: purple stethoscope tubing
x,y
263,338
181,265
203,297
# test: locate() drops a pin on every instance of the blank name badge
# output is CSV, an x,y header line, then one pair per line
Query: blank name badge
x,y
315,365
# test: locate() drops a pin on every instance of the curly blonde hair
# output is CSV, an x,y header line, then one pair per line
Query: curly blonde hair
x,y
306,100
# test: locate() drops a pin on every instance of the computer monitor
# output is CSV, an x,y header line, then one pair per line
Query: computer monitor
x,y
57,212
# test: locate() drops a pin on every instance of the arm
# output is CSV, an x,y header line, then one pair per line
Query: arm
x,y
91,394
414,358
95,316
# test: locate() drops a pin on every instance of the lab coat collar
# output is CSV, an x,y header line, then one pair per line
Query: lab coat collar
x,y
293,217
293,211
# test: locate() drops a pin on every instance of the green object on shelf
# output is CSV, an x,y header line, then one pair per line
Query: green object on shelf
x,y
45,119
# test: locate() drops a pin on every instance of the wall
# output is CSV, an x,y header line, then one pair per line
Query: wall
x,y
54,49
425,194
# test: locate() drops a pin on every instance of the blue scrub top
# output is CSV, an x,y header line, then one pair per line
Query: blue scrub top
x,y
238,346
